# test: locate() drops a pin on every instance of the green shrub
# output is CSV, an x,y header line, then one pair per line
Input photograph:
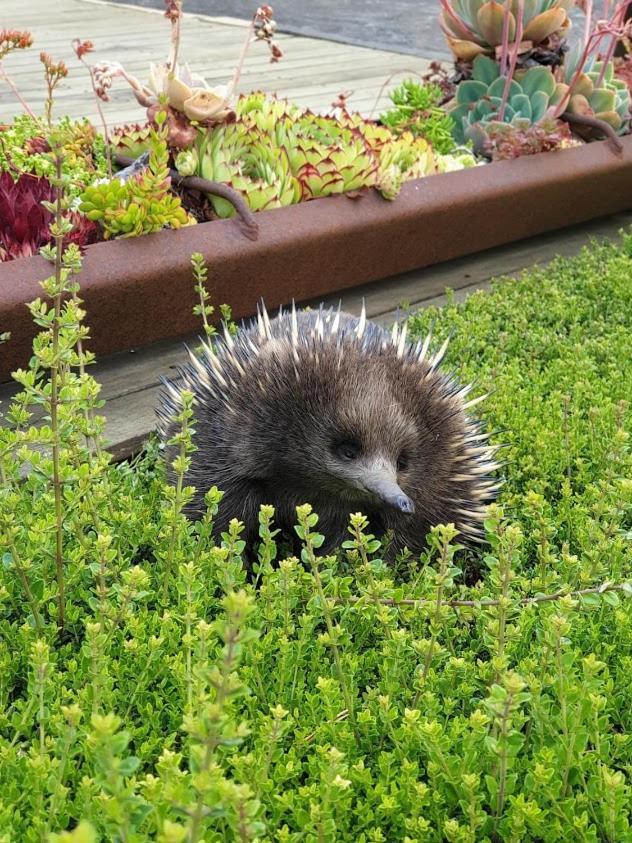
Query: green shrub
x,y
332,699
416,109
24,149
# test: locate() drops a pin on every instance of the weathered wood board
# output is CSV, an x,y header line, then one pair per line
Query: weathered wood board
x,y
131,380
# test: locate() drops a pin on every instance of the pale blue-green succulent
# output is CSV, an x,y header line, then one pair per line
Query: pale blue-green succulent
x,y
479,100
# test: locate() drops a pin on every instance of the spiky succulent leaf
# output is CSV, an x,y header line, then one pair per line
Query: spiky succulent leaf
x,y
132,140
25,221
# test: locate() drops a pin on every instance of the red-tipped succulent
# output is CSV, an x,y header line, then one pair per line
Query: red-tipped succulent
x,y
25,222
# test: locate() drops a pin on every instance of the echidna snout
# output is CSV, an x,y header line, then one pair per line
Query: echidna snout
x,y
325,408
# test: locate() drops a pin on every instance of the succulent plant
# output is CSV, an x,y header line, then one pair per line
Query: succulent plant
x,y
504,142
132,139
416,109
24,149
277,154
189,93
479,100
328,162
25,221
241,157
142,204
597,92
475,27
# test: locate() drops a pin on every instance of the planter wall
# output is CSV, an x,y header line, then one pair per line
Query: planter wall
x,y
139,291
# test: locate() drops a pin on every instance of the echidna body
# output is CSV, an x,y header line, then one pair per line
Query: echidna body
x,y
325,408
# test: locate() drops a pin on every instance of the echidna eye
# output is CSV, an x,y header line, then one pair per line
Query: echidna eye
x,y
402,462
347,450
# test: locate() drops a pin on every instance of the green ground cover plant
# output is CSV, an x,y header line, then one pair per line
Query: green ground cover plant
x,y
150,691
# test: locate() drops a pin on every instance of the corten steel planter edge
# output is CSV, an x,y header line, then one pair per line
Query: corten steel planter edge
x,y
140,290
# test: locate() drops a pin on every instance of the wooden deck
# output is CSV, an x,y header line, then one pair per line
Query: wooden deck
x,y
131,380
312,72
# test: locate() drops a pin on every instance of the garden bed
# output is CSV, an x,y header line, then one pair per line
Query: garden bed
x,y
393,729
139,291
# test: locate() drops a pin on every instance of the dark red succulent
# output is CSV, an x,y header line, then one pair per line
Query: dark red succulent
x,y
25,222
37,145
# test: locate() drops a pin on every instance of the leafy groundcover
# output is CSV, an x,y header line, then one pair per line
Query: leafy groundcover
x,y
334,699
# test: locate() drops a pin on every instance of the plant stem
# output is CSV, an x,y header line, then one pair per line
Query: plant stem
x,y
443,566
212,740
26,586
54,400
177,505
485,601
106,131
313,561
502,772
514,59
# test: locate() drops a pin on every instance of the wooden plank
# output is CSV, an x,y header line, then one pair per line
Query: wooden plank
x,y
131,380
312,72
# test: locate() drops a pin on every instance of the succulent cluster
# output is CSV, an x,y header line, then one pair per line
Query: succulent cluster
x,y
477,27
504,141
489,100
489,97
141,204
597,92
132,139
24,148
501,49
25,220
277,154
416,109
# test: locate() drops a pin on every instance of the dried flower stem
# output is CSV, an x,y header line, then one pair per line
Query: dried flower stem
x,y
4,75
79,52
174,13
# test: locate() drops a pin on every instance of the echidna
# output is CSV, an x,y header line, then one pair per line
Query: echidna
x,y
325,408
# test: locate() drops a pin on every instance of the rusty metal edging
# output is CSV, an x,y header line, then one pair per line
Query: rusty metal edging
x,y
139,291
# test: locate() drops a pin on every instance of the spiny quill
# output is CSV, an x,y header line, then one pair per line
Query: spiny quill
x,y
330,409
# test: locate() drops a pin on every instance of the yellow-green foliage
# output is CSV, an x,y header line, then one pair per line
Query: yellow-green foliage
x,y
140,205
333,698
278,154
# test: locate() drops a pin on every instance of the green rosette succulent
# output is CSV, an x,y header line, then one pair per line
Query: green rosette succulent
x,y
132,140
266,179
245,159
277,154
324,169
598,93
479,100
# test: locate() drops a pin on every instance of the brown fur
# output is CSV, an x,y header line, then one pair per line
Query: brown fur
x,y
274,403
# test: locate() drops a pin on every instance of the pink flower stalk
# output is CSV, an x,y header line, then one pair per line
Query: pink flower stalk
x,y
616,27
514,59
81,48
504,58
